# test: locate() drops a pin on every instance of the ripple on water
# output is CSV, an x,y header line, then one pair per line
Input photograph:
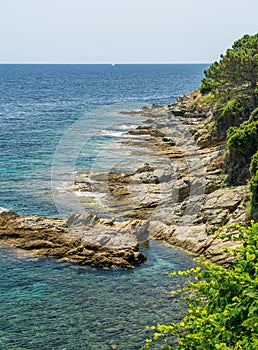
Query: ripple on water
x,y
50,305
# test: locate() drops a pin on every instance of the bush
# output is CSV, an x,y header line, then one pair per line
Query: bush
x,y
205,87
254,115
230,113
241,146
244,138
222,309
254,164
254,196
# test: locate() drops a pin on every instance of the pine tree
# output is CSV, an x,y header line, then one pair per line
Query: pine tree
x,y
237,71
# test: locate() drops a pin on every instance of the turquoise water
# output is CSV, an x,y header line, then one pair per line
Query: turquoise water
x,y
50,305
38,104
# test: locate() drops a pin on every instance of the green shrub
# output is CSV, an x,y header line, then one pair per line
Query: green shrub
x,y
206,101
254,196
241,146
254,115
244,138
230,113
222,303
254,164
205,87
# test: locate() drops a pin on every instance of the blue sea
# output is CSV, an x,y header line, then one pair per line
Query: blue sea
x,y
51,305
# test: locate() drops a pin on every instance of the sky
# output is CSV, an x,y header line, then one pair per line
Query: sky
x,y
122,31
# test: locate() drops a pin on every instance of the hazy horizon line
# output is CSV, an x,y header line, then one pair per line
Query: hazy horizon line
x,y
103,63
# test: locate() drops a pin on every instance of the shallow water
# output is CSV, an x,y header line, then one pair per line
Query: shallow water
x,y
45,304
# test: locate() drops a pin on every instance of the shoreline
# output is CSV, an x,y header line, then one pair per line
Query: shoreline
x,y
203,205
175,197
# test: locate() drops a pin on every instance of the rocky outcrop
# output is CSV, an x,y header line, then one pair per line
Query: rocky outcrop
x,y
173,191
107,232
83,239
178,191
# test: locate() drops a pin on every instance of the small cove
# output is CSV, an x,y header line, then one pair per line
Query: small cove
x,y
51,305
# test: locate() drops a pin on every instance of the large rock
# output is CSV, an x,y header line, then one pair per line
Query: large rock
x,y
195,239
118,235
83,239
224,199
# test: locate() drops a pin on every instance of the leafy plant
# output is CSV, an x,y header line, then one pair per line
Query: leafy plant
x,y
254,164
244,138
254,115
242,144
254,196
222,303
231,113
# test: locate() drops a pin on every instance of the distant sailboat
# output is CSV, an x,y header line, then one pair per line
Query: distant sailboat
x,y
113,64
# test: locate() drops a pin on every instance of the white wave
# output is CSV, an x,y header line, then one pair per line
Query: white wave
x,y
119,130
62,186
90,194
112,133
126,126
3,210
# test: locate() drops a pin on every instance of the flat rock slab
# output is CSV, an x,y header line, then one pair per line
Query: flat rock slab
x,y
87,240
106,232
224,199
195,239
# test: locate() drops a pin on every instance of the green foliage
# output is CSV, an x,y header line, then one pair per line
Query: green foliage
x,y
229,107
242,144
230,113
205,87
203,101
244,138
254,115
254,196
254,164
233,82
222,303
236,72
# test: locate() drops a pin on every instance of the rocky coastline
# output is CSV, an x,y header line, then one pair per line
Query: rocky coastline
x,y
175,193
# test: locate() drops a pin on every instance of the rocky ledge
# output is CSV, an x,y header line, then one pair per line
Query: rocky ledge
x,y
174,192
180,189
83,238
